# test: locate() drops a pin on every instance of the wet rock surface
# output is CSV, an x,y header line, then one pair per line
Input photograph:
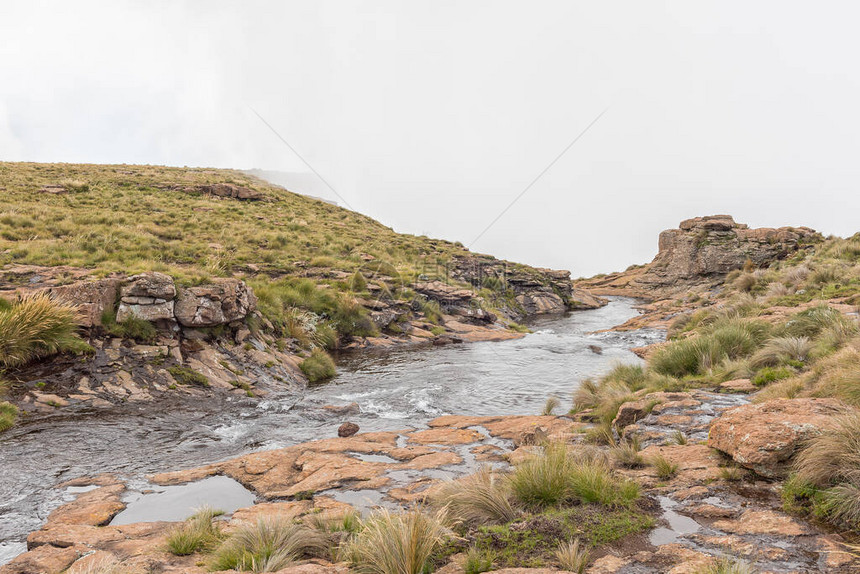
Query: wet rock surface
x,y
703,513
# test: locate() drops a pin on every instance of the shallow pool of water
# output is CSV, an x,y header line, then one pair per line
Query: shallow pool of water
x,y
175,503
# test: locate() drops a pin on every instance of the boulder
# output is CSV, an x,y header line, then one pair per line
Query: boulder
x,y
222,302
347,430
764,437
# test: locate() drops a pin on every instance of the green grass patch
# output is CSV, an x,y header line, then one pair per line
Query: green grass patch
x,y
531,541
187,376
8,415
135,328
318,367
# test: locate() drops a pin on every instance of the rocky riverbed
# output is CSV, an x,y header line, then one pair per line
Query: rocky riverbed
x,y
713,506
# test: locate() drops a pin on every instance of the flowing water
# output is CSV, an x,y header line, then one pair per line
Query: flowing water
x,y
394,390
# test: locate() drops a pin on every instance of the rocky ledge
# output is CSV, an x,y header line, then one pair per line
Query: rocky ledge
x,y
211,337
700,253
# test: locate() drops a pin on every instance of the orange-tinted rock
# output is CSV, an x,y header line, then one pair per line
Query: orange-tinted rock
x,y
764,437
43,560
445,436
93,508
762,522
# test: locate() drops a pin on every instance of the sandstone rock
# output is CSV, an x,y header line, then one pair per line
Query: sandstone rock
x,y
764,437
44,559
608,564
445,436
148,296
232,191
541,303
738,386
762,522
443,293
632,411
225,301
93,508
92,298
699,254
347,429
152,284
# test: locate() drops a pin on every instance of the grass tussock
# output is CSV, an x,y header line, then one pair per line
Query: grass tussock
x,y
477,561
558,475
552,403
269,545
196,534
727,566
664,468
627,455
36,327
480,498
572,556
8,415
401,543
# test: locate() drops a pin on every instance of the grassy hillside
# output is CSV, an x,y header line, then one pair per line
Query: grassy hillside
x,y
318,270
136,218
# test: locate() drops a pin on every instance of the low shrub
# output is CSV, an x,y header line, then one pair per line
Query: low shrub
x,y
769,375
318,367
401,543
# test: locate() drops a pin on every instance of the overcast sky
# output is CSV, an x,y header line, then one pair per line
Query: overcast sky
x,y
433,116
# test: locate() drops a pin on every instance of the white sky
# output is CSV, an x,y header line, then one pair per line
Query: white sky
x,y
432,116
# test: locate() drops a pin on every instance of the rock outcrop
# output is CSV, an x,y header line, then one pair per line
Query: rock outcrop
x,y
225,301
702,251
147,296
226,190
154,297
764,437
92,298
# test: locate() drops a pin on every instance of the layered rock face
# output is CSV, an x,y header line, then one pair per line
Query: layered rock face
x,y
536,290
702,251
153,297
716,245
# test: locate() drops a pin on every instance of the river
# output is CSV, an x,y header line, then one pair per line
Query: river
x,y
394,390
